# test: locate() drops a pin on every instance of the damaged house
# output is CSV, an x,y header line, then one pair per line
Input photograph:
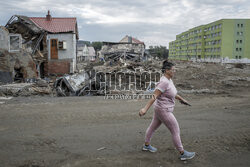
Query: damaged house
x,y
85,53
129,48
16,63
49,41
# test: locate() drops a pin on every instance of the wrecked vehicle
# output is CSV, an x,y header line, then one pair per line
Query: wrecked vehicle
x,y
81,84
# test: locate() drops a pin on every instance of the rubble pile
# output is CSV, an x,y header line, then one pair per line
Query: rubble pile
x,y
122,50
211,78
129,77
102,79
39,87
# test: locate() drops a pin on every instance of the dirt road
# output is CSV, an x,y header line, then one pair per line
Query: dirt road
x,y
91,131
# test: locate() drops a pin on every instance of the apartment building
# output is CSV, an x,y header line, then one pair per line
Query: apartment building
x,y
225,40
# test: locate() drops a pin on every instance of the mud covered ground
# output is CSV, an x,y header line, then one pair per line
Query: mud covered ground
x,y
45,131
90,131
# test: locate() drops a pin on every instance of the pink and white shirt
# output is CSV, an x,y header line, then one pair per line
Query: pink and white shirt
x,y
167,98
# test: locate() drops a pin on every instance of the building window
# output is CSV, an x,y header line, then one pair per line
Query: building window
x,y
238,33
62,45
238,25
239,49
15,43
239,57
240,41
236,57
236,49
241,25
237,41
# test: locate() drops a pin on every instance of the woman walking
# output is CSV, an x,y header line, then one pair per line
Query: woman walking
x,y
164,102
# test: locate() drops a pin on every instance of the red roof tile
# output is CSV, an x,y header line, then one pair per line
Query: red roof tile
x,y
137,41
56,25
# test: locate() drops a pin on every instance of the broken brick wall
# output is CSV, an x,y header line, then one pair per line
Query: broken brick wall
x,y
57,67
19,61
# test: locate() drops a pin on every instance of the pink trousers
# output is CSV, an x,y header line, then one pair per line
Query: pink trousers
x,y
167,117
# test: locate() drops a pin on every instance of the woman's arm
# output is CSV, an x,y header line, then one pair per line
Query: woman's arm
x,y
178,97
182,100
144,110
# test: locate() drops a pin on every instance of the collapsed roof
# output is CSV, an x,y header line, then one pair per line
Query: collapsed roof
x,y
122,50
24,26
34,28
29,30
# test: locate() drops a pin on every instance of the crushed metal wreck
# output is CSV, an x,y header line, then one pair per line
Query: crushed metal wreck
x,y
81,84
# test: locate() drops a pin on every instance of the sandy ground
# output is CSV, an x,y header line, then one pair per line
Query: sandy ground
x,y
91,131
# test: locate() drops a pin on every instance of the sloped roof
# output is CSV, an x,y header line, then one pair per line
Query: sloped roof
x,y
91,50
134,40
56,25
137,41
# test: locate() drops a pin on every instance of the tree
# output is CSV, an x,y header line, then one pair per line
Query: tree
x,y
159,51
97,45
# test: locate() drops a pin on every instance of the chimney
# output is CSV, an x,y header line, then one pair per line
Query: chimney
x,y
48,16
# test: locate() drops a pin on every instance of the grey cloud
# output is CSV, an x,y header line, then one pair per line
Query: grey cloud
x,y
156,22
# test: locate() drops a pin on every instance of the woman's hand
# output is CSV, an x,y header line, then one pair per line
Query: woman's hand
x,y
142,112
183,101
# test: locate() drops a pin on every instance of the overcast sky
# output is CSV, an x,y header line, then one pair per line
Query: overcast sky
x,y
156,22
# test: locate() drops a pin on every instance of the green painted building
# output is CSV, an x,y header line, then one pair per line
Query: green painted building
x,y
225,40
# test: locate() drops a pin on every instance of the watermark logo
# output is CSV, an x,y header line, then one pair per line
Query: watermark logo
x,y
125,85
127,96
